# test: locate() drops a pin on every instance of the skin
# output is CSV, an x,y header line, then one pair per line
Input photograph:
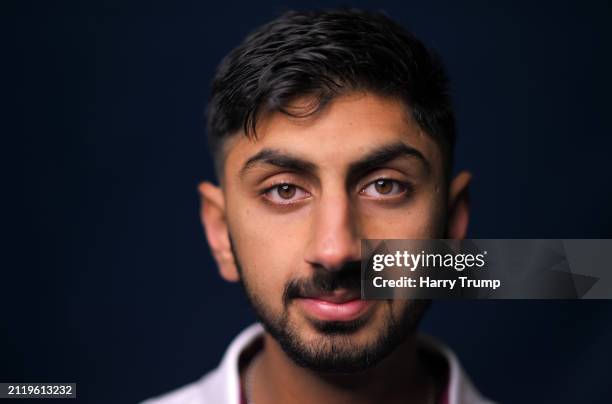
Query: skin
x,y
312,218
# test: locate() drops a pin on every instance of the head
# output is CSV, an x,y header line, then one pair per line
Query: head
x,y
327,128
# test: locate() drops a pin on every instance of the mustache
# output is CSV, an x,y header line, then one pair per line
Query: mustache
x,y
325,281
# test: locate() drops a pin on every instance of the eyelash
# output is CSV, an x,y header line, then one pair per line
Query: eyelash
x,y
401,188
277,187
404,188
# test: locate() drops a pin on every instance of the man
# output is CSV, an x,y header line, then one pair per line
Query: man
x,y
328,128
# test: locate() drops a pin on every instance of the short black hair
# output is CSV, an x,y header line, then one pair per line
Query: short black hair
x,y
324,54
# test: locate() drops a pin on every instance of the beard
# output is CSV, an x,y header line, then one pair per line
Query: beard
x,y
333,350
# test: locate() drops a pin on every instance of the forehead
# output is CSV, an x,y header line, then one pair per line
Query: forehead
x,y
347,128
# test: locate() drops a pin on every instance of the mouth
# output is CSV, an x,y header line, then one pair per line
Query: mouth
x,y
339,305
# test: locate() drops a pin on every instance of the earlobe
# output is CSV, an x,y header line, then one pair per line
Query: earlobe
x,y
459,206
212,214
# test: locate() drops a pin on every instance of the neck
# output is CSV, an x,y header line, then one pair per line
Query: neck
x,y
401,377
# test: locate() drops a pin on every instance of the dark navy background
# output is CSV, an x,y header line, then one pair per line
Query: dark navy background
x,y
106,277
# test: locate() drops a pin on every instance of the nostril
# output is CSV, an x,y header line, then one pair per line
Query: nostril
x,y
334,257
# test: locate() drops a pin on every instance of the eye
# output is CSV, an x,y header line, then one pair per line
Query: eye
x,y
384,188
285,193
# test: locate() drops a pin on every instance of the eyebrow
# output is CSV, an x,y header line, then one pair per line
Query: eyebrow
x,y
279,159
384,154
374,159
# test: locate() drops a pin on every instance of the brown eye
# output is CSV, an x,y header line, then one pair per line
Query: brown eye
x,y
285,194
383,186
286,191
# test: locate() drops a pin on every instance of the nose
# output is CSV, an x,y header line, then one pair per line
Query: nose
x,y
334,240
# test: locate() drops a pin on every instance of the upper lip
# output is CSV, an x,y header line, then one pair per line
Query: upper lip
x,y
336,296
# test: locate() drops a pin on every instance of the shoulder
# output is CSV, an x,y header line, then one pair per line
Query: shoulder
x,y
205,390
222,385
460,388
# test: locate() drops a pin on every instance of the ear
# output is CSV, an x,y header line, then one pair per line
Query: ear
x,y
212,214
459,206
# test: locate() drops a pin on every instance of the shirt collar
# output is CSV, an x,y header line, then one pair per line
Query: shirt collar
x,y
460,389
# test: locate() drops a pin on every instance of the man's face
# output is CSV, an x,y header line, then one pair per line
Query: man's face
x,y
299,198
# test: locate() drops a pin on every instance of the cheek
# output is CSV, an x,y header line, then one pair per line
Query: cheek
x,y
420,218
269,248
266,236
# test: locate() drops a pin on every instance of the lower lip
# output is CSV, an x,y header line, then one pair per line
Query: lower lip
x,y
324,310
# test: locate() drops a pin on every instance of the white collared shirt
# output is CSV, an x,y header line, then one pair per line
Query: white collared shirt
x,y
222,385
